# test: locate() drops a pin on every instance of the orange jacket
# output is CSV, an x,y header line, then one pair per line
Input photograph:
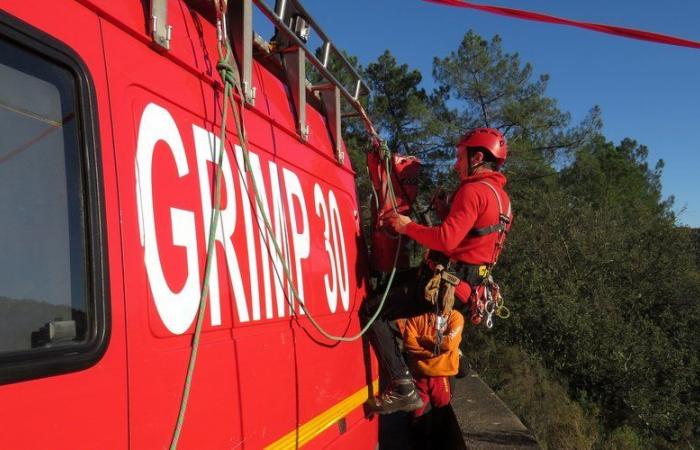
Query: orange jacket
x,y
419,342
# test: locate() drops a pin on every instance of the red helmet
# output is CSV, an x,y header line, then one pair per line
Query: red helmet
x,y
489,139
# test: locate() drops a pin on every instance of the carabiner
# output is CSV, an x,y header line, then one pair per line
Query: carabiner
x,y
489,321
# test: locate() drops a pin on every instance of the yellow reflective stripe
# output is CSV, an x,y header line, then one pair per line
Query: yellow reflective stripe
x,y
314,427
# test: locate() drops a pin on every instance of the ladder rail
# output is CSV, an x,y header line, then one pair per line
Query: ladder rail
x,y
328,45
293,24
329,49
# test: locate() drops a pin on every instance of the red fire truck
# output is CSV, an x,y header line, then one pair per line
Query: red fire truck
x,y
110,122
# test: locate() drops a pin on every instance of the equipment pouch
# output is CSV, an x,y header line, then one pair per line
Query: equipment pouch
x,y
450,278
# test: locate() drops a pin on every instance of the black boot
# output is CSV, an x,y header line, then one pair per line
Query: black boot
x,y
401,395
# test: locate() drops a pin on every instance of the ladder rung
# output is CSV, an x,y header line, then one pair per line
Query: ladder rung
x,y
358,88
323,87
287,8
326,53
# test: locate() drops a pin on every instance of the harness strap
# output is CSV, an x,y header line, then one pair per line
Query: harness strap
x,y
503,219
478,232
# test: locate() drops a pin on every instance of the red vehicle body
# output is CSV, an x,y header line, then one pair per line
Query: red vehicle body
x,y
147,124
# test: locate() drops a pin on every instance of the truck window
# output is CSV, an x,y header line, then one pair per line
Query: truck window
x,y
47,310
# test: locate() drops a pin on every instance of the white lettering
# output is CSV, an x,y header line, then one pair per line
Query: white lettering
x,y
300,239
207,147
177,310
281,235
263,235
248,195
341,255
331,286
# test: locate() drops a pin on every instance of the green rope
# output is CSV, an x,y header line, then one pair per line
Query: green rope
x,y
224,70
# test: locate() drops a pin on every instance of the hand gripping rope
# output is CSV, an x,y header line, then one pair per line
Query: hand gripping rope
x,y
229,74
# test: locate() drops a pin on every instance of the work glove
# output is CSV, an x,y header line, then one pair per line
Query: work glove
x,y
448,299
432,289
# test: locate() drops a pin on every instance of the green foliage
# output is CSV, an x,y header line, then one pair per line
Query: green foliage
x,y
498,91
541,402
625,438
494,89
694,235
597,274
399,107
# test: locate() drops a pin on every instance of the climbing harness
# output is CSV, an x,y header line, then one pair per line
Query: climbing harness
x,y
503,218
486,299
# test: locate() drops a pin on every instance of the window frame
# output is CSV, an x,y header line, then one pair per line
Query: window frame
x,y
38,363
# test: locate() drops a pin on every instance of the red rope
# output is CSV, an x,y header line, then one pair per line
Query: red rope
x,y
600,28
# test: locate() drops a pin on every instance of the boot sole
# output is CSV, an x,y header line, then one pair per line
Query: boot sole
x,y
406,408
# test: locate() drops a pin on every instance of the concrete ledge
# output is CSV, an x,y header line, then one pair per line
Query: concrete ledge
x,y
477,419
485,421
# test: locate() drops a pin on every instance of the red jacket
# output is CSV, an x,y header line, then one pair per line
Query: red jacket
x,y
474,205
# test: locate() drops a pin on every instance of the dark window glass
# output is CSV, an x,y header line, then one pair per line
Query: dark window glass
x,y
43,274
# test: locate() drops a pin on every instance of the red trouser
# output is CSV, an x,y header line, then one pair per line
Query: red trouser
x,y
434,391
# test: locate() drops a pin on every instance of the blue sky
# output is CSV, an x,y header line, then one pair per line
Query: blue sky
x,y
647,91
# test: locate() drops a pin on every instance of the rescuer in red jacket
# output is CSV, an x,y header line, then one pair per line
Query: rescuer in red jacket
x,y
467,244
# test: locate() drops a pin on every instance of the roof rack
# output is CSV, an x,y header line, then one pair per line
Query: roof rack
x,y
293,25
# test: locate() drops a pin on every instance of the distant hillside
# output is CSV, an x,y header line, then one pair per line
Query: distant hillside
x,y
19,318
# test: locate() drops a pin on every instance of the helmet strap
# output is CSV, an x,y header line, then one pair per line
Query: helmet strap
x,y
471,170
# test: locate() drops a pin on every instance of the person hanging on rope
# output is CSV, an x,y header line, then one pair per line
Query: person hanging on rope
x,y
463,249
431,342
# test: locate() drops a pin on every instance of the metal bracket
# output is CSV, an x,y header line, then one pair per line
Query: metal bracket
x,y
301,28
330,94
241,17
161,31
295,66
